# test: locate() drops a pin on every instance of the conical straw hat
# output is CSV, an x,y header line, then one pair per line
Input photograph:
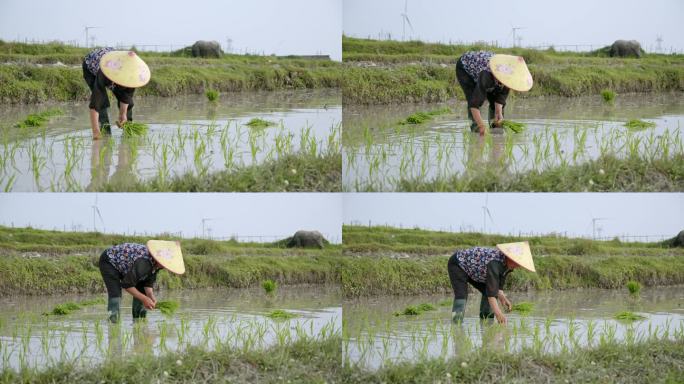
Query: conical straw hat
x,y
168,254
125,68
520,253
511,71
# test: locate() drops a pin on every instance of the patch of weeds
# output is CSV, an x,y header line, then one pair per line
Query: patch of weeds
x,y
634,287
280,314
513,126
422,117
131,129
212,95
629,316
259,123
167,307
269,286
523,308
415,310
38,119
64,309
608,95
637,124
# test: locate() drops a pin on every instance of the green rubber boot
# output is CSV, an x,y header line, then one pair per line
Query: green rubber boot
x,y
113,307
139,311
458,310
485,309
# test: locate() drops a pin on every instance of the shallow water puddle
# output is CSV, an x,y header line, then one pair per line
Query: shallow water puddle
x,y
565,320
379,152
186,135
206,318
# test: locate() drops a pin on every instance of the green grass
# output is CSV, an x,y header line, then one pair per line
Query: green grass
x,y
269,286
628,316
172,74
131,129
167,307
212,95
636,124
523,307
256,122
280,314
605,174
424,116
634,287
417,72
608,95
39,119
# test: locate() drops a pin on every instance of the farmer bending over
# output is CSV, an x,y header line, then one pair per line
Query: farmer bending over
x,y
485,75
120,71
134,268
486,270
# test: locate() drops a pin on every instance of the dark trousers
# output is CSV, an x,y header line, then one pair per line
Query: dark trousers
x,y
468,85
459,283
112,279
103,112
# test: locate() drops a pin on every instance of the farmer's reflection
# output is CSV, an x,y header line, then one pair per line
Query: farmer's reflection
x,y
486,152
101,161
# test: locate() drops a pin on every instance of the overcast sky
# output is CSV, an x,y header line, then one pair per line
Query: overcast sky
x,y
543,21
269,26
647,214
274,215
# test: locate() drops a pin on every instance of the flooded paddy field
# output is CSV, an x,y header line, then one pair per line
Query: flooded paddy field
x,y
382,154
374,336
241,319
187,135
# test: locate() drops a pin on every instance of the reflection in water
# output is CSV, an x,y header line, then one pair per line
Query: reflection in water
x,y
101,161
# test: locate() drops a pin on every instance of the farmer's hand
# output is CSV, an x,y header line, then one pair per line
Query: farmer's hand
x,y
501,318
148,302
483,129
121,121
498,122
505,302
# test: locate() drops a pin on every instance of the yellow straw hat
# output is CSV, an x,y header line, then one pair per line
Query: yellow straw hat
x,y
125,68
168,254
520,253
511,71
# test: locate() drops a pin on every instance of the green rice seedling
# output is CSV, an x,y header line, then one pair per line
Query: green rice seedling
x,y
608,95
257,122
280,314
86,303
445,303
167,307
64,309
629,316
425,307
523,307
411,310
269,286
424,116
38,119
132,129
212,95
634,287
636,124
513,126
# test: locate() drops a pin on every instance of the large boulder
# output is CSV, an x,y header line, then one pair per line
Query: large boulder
x,y
625,48
306,239
677,241
204,48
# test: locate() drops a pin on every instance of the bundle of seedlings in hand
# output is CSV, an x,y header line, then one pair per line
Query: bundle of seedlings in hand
x,y
131,129
167,307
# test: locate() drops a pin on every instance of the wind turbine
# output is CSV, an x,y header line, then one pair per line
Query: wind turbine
x,y
405,20
593,225
204,223
87,29
485,213
514,30
96,214
659,40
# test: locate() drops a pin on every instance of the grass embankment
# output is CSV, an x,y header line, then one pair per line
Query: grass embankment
x,y
34,73
302,361
291,173
390,261
384,72
654,361
42,262
604,174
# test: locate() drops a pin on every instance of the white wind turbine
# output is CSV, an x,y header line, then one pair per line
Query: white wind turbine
x,y
97,214
485,213
405,20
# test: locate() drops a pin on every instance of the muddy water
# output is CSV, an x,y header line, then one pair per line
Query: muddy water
x,y
379,152
374,336
186,134
206,318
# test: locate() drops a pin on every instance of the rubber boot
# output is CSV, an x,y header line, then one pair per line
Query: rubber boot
x,y
458,310
485,309
103,118
473,124
113,307
139,311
